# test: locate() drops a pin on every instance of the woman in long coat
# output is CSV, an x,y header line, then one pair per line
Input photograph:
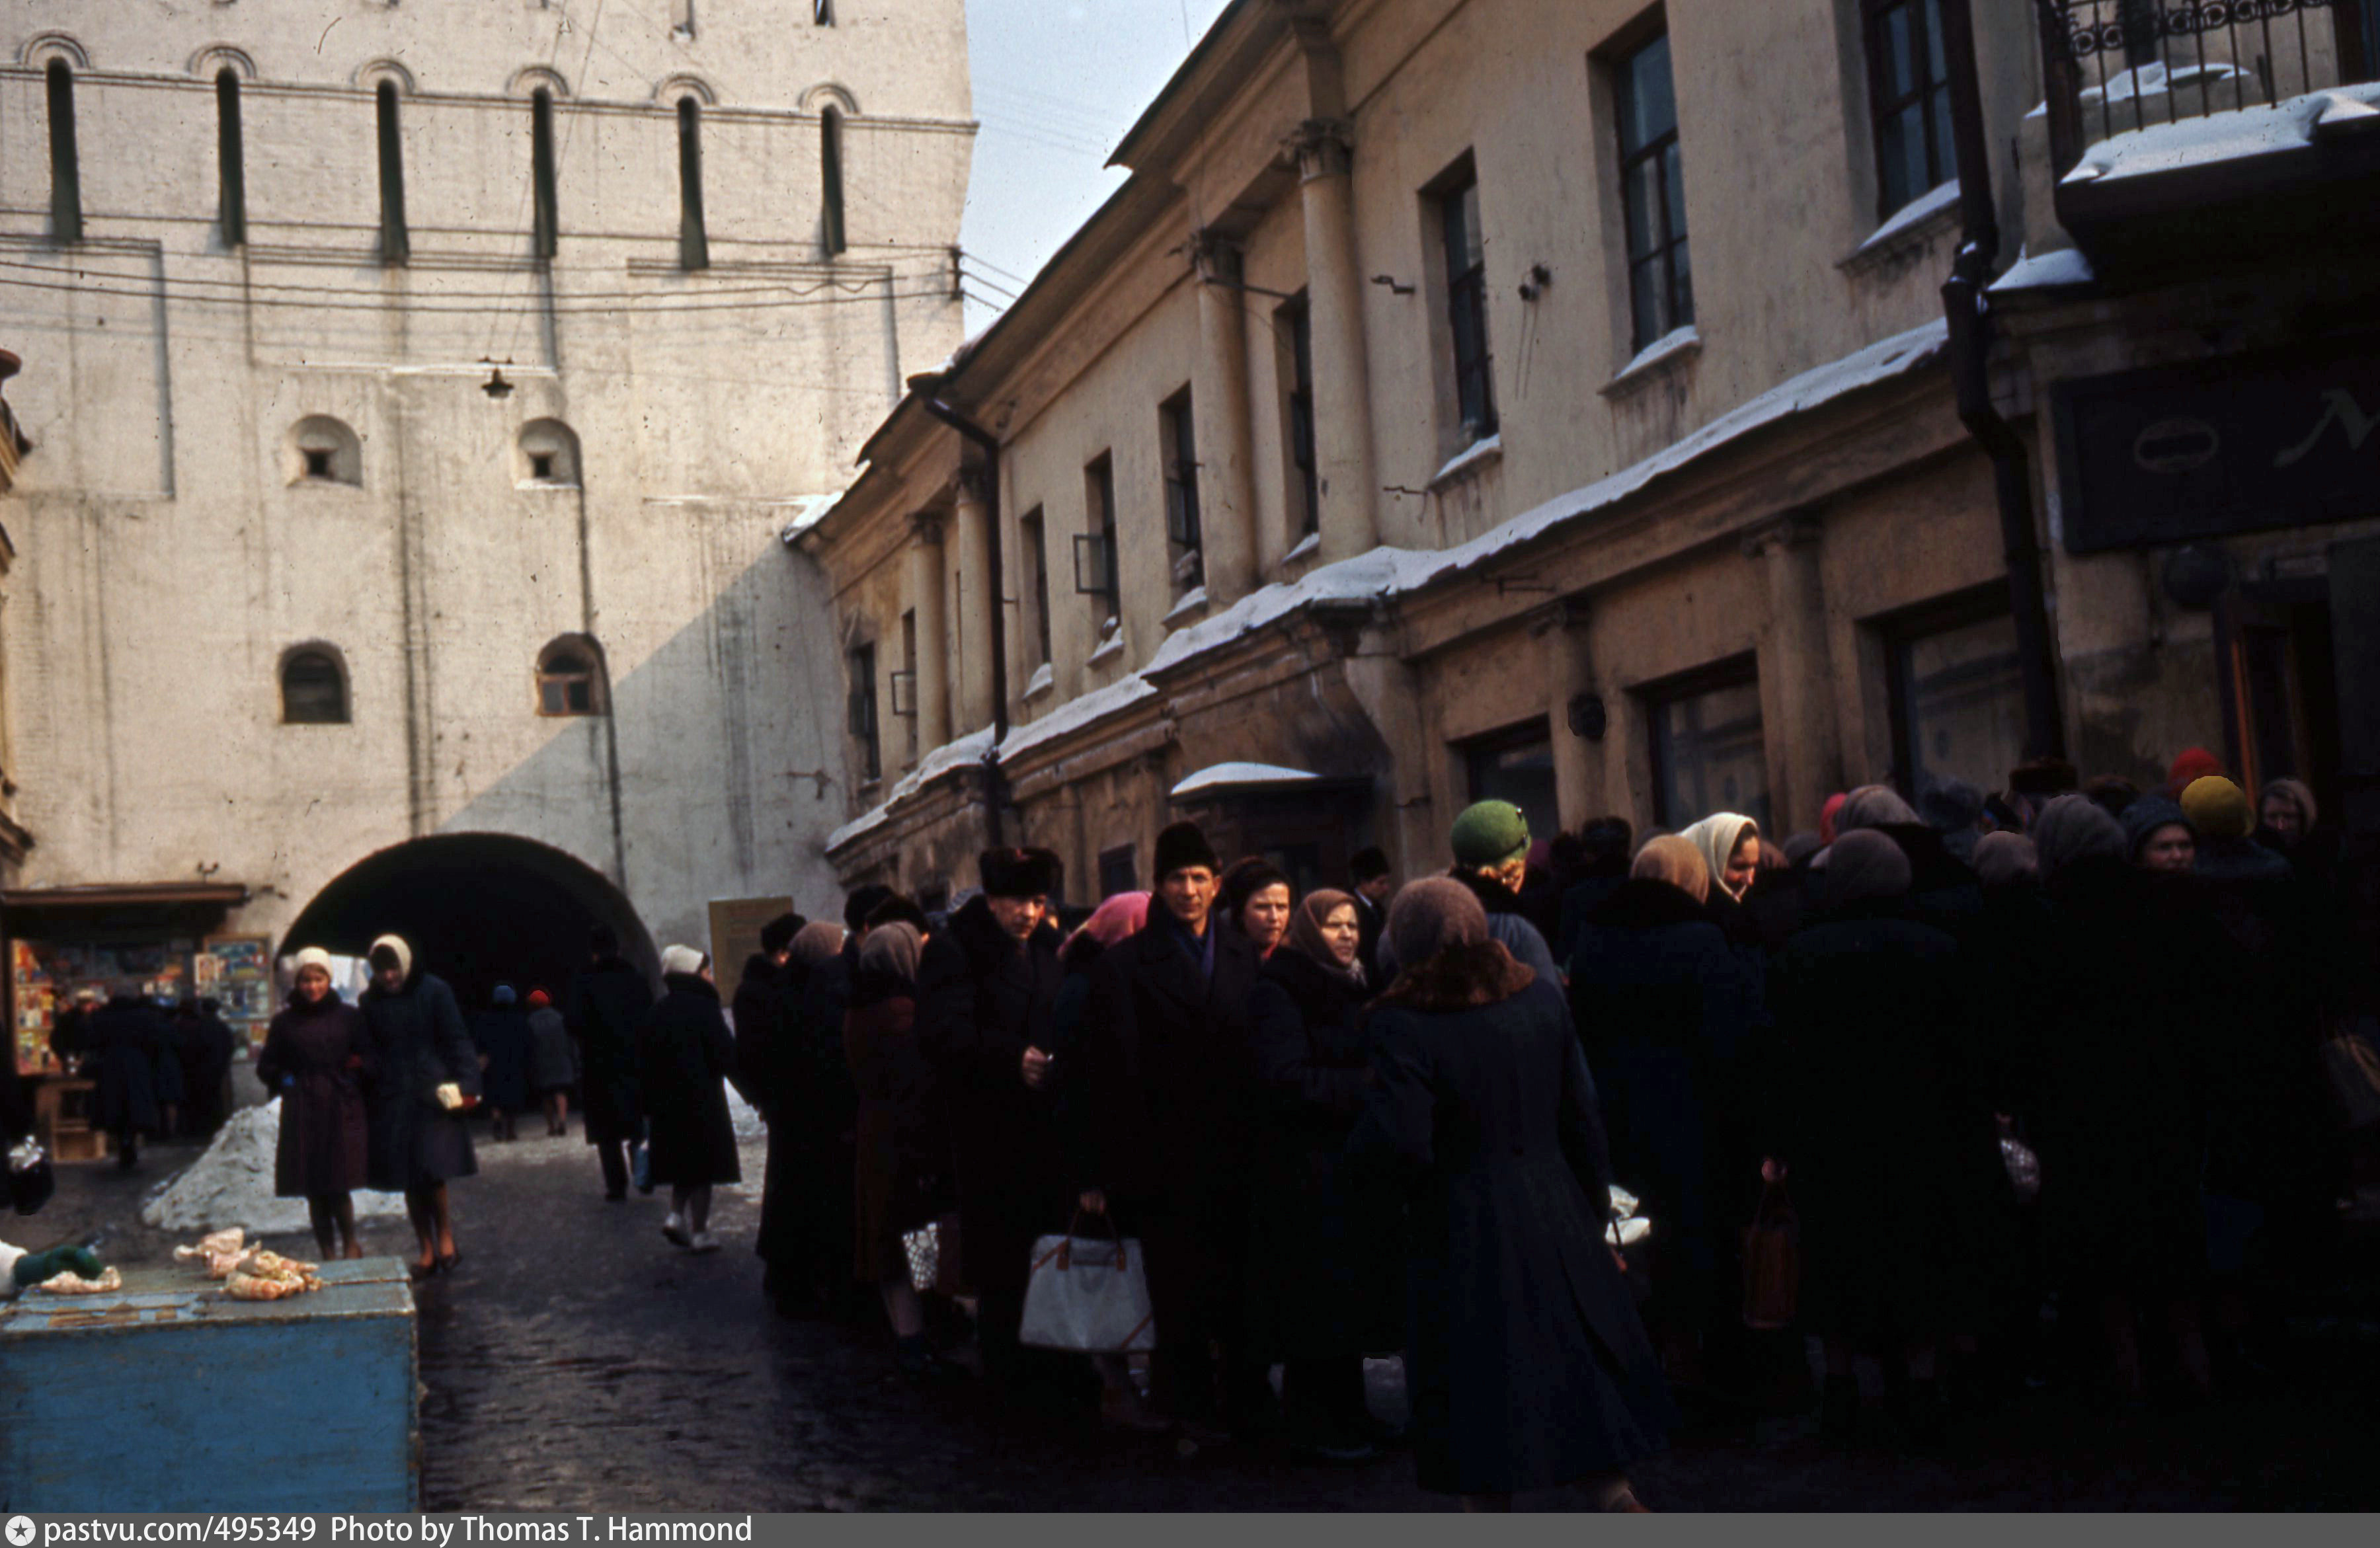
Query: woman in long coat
x,y
608,1001
121,1046
419,1050
686,1054
314,1058
1667,1008
900,1152
1324,1246
502,1033
551,1069
1525,1361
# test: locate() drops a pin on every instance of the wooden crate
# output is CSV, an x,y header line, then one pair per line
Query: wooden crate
x,y
169,1396
61,1116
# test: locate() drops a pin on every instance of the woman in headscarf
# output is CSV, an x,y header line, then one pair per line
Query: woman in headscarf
x,y
1667,1008
1324,1246
2112,1018
425,1073
685,1054
1887,1140
551,1068
502,1033
2157,835
898,1166
1524,1357
1729,845
314,1060
1942,887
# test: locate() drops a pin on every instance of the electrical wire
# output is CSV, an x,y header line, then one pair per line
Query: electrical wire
x,y
869,285
160,293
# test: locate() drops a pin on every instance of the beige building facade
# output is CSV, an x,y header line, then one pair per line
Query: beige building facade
x,y
1557,401
416,395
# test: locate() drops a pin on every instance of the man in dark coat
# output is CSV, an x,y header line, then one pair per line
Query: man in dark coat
x,y
1159,1113
1605,848
123,1041
987,985
1371,884
768,977
608,1002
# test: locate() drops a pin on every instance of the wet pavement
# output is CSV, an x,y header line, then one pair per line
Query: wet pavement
x,y
574,1359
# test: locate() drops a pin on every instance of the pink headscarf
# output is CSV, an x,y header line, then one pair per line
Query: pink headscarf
x,y
1125,913
1827,815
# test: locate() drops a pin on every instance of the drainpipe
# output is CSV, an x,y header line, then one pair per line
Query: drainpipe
x,y
1970,345
995,785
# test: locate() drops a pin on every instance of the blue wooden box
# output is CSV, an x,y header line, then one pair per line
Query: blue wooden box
x,y
169,1396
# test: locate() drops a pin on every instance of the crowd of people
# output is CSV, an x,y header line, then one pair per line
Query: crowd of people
x,y
160,1070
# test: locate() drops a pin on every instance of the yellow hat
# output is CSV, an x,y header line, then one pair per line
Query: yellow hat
x,y
2218,808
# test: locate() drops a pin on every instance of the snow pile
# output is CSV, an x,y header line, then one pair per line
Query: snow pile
x,y
232,1185
749,1129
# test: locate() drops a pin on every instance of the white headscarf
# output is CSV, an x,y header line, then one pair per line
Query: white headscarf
x,y
1716,836
404,952
683,960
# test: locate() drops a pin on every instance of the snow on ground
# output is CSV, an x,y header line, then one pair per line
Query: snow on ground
x,y
232,1185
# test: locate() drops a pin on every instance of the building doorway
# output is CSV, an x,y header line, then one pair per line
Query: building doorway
x,y
479,910
2280,686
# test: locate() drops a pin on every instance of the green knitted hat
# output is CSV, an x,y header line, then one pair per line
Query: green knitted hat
x,y
1491,833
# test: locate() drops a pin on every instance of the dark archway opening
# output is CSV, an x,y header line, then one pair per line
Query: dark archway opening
x,y
479,910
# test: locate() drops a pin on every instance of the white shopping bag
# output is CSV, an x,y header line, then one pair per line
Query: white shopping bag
x,y
1087,1294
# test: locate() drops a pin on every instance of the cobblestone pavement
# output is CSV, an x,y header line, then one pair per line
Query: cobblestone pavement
x,y
574,1359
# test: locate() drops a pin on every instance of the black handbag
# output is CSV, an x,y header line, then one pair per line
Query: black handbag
x,y
30,1179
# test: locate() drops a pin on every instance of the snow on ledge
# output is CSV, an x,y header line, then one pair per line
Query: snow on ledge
x,y
809,511
968,749
1310,543
2042,271
1676,343
2233,135
1076,713
1045,677
1243,774
1193,601
1922,207
1486,449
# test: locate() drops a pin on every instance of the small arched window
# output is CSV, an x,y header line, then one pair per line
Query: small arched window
x,y
395,244
693,241
570,678
545,201
324,450
66,168
830,175
314,688
549,454
231,170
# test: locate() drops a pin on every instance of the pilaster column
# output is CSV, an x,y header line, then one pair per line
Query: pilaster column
x,y
1570,675
971,696
1219,399
1806,758
933,663
1342,426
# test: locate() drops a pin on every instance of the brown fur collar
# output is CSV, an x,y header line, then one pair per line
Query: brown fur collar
x,y
1460,978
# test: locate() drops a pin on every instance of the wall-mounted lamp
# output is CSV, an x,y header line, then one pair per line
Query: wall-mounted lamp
x,y
496,386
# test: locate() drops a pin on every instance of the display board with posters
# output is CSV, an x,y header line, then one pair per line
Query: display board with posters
x,y
47,976
736,926
236,973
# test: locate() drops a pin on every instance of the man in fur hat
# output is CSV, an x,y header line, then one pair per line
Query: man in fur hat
x,y
1158,1119
986,985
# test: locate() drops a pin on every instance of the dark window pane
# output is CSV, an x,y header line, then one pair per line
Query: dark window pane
x,y
1900,153
1709,756
1963,704
1648,109
1943,164
1681,282
312,692
1936,66
1899,69
1645,286
549,696
1518,769
1642,191
1673,170
579,695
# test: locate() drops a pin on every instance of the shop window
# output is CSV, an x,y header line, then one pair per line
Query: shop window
x,y
65,167
396,245
544,184
831,178
862,714
1908,100
1517,765
324,450
549,454
693,241
1708,751
1958,696
1177,440
1653,193
1293,327
231,169
570,678
314,688
1464,254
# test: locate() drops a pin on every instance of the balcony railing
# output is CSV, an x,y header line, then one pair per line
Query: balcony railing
x,y
2114,66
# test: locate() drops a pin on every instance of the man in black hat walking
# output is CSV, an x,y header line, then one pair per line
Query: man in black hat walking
x,y
986,986
1158,1119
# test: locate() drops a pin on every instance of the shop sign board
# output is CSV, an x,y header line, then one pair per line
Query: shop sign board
x,y
2243,443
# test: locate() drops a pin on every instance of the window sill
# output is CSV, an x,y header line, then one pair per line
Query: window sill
x,y
552,484
1308,547
1111,650
1469,462
1906,232
1659,361
1189,610
1043,683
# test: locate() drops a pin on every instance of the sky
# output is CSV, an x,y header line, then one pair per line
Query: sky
x,y
1057,82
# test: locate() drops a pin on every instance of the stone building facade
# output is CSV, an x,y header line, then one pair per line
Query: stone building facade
x,y
1557,400
416,395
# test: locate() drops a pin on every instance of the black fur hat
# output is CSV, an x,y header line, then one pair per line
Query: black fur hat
x,y
1018,873
1181,846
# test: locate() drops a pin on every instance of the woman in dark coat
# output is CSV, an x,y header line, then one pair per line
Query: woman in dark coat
x,y
1883,1125
166,1069
785,1087
502,1035
1525,1361
121,1044
313,1059
551,1070
686,1054
1324,1246
898,1155
608,1001
425,1073
1666,1007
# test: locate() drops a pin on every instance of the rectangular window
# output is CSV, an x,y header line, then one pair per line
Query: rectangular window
x,y
1293,325
1096,563
1708,751
1517,765
1908,96
1034,539
830,179
693,240
904,704
65,167
1958,699
395,246
823,12
1653,193
230,161
1177,436
1467,302
546,214
863,713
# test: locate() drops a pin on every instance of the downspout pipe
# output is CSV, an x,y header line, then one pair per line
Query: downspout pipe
x,y
995,783
1969,322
